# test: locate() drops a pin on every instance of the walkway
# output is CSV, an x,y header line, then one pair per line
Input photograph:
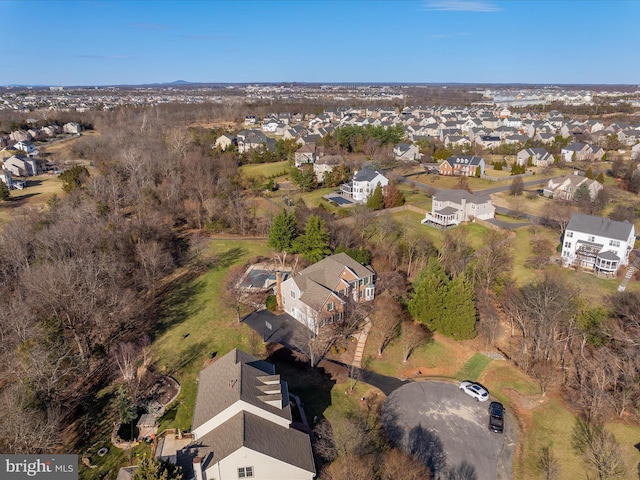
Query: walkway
x,y
630,271
362,341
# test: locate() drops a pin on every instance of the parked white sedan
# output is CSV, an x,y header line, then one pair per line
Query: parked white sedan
x,y
474,390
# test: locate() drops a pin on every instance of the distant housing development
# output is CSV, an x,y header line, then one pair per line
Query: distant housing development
x,y
597,244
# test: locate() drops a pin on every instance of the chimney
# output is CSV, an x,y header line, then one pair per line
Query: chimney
x,y
279,290
197,468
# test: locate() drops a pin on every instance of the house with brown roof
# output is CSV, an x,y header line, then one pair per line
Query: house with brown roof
x,y
242,425
319,293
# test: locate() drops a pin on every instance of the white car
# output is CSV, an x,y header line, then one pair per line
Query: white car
x,y
476,391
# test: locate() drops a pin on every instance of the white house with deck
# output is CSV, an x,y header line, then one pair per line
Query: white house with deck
x,y
364,183
451,207
597,244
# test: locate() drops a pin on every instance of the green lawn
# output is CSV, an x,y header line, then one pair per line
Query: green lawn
x,y
265,169
34,196
198,325
473,368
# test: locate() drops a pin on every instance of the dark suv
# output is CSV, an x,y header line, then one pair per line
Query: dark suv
x,y
496,417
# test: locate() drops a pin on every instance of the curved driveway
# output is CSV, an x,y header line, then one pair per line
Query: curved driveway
x,y
448,430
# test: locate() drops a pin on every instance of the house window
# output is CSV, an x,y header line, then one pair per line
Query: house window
x,y
569,234
366,281
293,294
330,306
361,293
614,243
567,244
245,472
591,238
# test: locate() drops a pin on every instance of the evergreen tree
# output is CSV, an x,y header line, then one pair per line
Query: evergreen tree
x,y
283,232
151,468
582,194
74,178
600,178
459,317
313,245
4,191
429,291
376,199
392,196
589,174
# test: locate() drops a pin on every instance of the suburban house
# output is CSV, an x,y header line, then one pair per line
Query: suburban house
x,y
72,127
581,152
326,164
27,147
488,141
539,156
597,244
363,184
464,165
318,294
566,187
5,177
225,141
635,152
451,207
250,139
308,153
406,151
21,166
242,425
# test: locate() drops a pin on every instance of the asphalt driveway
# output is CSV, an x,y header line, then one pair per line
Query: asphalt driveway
x,y
448,430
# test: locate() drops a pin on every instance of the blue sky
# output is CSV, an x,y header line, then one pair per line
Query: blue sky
x,y
476,41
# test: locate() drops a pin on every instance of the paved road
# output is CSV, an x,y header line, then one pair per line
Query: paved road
x,y
447,430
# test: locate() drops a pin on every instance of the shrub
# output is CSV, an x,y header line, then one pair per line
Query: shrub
x,y
271,303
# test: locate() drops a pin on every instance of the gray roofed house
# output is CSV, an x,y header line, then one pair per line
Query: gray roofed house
x,y
363,184
319,293
539,157
242,422
597,244
451,207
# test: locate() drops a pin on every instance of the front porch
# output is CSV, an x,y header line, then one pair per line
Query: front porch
x,y
442,219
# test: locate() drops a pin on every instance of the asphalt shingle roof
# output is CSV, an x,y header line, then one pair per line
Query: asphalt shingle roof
x,y
603,227
232,378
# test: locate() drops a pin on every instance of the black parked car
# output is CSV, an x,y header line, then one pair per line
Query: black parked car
x,y
496,417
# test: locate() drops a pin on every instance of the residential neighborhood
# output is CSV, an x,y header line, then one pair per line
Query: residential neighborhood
x,y
300,281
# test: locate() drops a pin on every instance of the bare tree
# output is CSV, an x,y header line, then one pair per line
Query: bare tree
x,y
494,261
599,450
548,464
413,335
398,464
353,467
386,320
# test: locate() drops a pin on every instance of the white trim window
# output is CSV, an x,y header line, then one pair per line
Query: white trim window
x,y
245,472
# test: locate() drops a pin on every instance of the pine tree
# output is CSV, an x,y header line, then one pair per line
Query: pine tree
x,y
429,291
376,199
589,174
151,468
283,232
313,245
459,317
600,178
4,191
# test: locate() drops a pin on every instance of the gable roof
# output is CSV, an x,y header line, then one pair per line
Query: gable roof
x,y
603,227
327,270
236,376
456,196
464,160
253,432
365,175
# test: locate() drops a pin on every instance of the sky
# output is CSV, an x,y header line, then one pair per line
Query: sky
x,y
419,41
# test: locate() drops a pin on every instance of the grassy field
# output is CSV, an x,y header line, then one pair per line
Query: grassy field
x,y
265,169
197,325
39,189
473,368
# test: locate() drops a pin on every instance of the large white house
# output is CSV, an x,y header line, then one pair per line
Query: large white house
x,y
319,293
364,183
242,425
451,207
597,244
